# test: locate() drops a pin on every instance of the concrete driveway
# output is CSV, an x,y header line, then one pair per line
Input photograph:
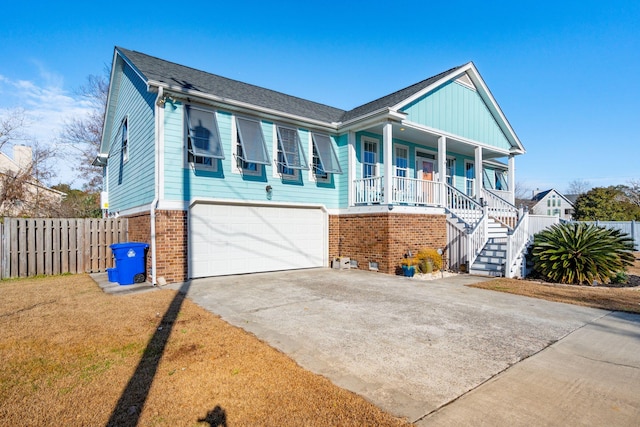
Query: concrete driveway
x,y
417,348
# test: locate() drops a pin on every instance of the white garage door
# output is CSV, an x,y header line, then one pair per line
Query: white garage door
x,y
235,239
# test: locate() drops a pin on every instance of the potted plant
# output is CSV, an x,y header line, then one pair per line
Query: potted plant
x,y
408,266
429,260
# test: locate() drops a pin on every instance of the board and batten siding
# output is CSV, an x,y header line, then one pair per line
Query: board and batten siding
x,y
182,183
459,110
131,184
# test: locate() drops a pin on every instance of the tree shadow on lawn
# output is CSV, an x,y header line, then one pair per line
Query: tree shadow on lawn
x,y
131,403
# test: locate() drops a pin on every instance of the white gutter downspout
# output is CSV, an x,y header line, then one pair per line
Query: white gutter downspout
x,y
159,128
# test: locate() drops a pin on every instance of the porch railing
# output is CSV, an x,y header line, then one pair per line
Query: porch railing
x,y
368,191
405,191
418,192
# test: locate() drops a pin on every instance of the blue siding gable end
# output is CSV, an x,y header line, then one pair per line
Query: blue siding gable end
x,y
459,110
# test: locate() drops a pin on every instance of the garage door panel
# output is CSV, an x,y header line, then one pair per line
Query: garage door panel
x,y
234,239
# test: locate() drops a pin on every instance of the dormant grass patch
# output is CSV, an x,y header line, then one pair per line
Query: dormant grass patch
x,y
72,355
616,298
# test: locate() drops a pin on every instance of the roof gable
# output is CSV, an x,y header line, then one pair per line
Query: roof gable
x,y
395,98
470,92
538,197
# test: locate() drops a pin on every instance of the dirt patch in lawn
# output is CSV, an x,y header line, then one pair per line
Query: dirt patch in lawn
x,y
72,355
616,297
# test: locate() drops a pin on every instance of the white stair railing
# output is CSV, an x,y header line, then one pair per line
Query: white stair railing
x,y
463,206
477,237
500,209
517,240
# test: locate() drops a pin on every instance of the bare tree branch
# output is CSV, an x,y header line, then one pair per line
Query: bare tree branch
x,y
84,134
578,186
11,125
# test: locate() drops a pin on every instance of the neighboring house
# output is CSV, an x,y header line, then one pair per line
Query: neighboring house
x,y
224,177
552,203
20,193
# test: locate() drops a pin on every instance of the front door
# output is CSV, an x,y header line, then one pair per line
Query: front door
x,y
425,172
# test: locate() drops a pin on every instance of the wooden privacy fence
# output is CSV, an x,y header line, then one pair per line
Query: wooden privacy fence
x,y
30,247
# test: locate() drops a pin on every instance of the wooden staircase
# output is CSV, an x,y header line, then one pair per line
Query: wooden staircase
x,y
496,234
492,258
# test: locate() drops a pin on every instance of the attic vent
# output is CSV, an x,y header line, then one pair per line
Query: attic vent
x,y
466,81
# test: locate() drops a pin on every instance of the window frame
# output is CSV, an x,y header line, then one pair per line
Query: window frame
x,y
193,160
124,139
470,182
450,178
317,139
284,169
397,168
241,165
502,180
317,166
376,163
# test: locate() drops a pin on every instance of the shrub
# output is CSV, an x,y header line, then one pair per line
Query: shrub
x,y
579,253
620,278
429,254
409,261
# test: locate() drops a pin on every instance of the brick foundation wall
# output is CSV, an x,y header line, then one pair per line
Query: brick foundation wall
x,y
139,230
378,237
171,242
384,237
171,245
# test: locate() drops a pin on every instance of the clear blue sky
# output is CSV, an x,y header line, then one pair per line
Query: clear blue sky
x,y
566,73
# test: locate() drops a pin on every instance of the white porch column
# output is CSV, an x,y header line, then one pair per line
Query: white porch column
x,y
511,176
442,167
387,182
442,159
351,167
478,168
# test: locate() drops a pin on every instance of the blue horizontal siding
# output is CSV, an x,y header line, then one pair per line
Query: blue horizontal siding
x,y
459,110
182,183
131,184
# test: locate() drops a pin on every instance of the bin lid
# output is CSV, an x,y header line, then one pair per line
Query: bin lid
x,y
125,245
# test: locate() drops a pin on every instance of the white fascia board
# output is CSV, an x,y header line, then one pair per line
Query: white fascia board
x,y
382,115
106,134
246,108
134,68
494,107
106,131
371,209
439,132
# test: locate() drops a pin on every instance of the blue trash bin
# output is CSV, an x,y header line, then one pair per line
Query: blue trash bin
x,y
131,262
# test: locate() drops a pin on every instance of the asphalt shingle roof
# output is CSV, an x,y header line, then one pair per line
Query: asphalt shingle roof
x,y
174,74
201,81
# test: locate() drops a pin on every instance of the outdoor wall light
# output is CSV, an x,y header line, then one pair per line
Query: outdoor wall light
x,y
269,189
